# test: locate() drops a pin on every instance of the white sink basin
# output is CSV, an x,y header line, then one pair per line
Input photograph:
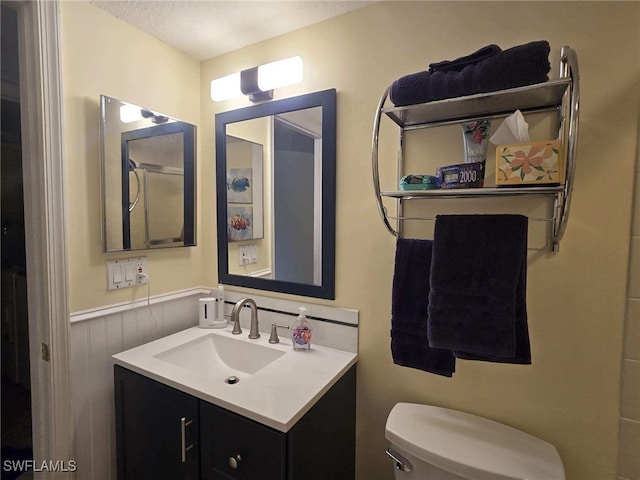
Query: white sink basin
x,y
274,384
214,352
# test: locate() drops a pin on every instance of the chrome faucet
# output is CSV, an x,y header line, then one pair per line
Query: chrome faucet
x,y
235,318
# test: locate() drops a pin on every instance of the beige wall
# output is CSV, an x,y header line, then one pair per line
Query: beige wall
x,y
103,55
576,298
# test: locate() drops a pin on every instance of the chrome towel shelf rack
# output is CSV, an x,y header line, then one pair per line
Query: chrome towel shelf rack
x,y
561,95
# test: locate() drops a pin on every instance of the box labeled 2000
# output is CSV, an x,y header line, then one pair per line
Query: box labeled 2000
x,y
463,175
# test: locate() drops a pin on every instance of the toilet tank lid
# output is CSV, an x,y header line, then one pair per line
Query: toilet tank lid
x,y
471,446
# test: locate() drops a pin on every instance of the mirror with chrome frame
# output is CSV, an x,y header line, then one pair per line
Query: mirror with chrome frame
x,y
148,178
275,182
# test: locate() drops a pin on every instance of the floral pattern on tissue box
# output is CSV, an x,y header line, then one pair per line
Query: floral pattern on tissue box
x,y
529,163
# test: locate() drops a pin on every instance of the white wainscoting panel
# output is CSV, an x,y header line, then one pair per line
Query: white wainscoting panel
x,y
94,339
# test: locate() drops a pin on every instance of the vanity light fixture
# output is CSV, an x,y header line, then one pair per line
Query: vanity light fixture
x,y
155,118
259,82
132,113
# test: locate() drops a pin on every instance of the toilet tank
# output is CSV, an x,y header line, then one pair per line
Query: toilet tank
x,y
469,446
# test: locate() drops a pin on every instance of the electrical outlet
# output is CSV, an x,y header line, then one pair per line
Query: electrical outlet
x,y
141,271
247,254
126,272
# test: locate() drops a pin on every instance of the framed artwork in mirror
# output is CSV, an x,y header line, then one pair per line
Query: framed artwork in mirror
x,y
244,189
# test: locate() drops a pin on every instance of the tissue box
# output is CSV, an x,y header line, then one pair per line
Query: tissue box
x,y
531,163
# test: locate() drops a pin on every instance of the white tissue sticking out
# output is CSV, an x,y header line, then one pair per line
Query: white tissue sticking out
x,y
512,130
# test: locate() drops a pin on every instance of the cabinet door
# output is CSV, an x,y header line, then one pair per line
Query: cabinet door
x,y
321,445
234,447
156,429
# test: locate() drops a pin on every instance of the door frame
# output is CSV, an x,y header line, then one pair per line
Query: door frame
x,y
45,237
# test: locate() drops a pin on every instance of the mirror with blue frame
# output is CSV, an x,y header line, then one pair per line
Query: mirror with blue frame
x,y
275,168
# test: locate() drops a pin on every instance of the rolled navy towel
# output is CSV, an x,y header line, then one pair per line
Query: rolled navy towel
x,y
422,87
518,66
411,89
459,63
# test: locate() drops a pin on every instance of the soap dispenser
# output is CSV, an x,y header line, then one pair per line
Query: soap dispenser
x,y
302,330
207,313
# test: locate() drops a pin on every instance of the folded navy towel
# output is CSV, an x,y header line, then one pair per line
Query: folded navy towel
x,y
410,296
518,66
477,301
515,67
461,62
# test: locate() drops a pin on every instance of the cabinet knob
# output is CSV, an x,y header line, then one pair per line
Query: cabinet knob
x,y
234,462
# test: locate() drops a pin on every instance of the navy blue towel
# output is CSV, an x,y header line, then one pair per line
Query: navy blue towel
x,y
410,297
461,62
515,67
518,66
477,303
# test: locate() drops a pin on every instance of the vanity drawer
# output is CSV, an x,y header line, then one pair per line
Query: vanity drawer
x,y
234,447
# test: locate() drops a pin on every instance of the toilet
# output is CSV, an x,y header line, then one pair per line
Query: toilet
x,y
434,443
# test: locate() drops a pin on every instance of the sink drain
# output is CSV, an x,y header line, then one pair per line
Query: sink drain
x,y
232,380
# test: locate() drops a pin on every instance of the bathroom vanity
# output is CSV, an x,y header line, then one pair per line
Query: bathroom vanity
x,y
211,405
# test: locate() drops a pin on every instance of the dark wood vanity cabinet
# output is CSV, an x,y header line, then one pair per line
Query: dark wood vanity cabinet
x,y
220,444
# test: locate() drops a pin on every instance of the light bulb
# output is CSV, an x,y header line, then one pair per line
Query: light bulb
x,y
130,113
225,88
280,74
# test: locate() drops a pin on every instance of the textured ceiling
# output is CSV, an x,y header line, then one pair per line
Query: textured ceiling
x,y
204,29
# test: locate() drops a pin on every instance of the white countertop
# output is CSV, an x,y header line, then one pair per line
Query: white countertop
x,y
278,395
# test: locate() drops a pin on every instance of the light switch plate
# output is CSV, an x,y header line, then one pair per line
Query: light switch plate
x,y
123,273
